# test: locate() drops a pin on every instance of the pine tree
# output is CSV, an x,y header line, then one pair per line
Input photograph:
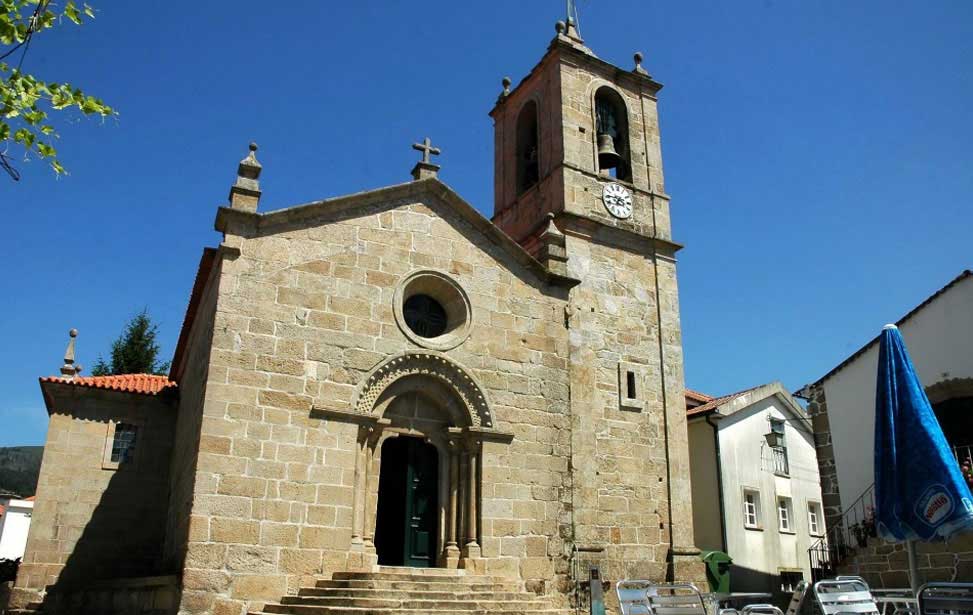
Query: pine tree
x,y
135,351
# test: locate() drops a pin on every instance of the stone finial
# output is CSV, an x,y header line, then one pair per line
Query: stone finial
x,y
69,370
638,64
245,193
553,252
560,27
425,168
571,30
505,92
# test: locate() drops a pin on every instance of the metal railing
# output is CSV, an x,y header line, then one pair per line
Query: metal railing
x,y
857,524
964,456
852,531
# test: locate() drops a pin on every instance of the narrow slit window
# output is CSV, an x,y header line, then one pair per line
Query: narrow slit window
x,y
630,385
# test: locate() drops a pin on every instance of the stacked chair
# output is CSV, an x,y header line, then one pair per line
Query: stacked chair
x,y
946,598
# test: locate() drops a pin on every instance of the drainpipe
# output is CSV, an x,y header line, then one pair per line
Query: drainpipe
x,y
719,476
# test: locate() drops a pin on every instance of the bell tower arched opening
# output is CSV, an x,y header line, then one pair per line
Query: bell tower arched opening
x,y
611,132
528,148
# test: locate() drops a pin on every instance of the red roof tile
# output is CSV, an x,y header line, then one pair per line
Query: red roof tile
x,y
715,402
697,396
147,384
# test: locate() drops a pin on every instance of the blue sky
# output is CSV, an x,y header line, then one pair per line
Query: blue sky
x,y
818,155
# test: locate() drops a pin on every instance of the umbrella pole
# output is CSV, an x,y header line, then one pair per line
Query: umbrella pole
x,y
910,547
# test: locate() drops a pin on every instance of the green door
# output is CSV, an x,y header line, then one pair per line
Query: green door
x,y
406,528
421,504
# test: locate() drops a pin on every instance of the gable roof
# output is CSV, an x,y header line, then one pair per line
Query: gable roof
x,y
728,405
715,402
144,384
229,220
962,276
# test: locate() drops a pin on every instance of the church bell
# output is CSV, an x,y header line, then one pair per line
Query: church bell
x,y
608,158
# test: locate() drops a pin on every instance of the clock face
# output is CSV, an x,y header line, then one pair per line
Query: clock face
x,y
617,200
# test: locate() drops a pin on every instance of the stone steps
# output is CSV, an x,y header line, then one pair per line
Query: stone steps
x,y
413,591
323,610
415,594
509,586
489,603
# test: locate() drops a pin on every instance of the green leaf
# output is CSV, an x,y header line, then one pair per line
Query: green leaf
x,y
71,12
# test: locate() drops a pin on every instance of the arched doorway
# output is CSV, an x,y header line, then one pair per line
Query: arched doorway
x,y
406,529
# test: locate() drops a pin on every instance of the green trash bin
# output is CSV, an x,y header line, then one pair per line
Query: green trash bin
x,y
717,570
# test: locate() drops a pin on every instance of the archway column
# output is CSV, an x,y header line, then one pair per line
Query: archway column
x,y
451,551
471,467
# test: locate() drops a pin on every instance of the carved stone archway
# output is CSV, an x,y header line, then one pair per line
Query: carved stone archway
x,y
427,395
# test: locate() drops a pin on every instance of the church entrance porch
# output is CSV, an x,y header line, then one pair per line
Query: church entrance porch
x,y
406,525
422,422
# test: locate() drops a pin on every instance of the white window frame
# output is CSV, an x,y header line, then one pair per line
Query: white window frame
x,y
814,518
751,509
785,514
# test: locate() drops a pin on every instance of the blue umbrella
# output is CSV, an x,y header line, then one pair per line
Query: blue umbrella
x,y
920,493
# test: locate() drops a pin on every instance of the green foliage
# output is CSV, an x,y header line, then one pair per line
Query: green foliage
x,y
135,351
19,468
25,100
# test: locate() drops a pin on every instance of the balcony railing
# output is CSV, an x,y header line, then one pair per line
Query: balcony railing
x,y
857,524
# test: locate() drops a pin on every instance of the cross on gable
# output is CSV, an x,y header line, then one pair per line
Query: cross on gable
x,y
426,148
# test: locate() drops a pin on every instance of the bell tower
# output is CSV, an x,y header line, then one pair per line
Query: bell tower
x,y
574,127
578,158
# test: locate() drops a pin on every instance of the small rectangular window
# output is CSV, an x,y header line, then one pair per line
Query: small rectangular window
x,y
814,518
630,378
121,445
790,580
751,509
784,514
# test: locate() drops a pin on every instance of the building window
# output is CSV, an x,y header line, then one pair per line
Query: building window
x,y
425,316
814,518
121,445
789,580
784,517
528,154
779,448
751,509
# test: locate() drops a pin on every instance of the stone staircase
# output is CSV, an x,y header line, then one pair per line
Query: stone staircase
x,y
413,591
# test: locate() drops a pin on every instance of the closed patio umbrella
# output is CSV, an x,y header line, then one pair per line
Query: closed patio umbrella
x,y
920,493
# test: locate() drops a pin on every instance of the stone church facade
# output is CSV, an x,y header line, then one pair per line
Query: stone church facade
x,y
390,379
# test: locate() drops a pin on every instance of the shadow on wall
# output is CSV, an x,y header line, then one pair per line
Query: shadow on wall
x,y
744,579
120,541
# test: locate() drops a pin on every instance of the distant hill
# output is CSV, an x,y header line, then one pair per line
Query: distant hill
x,y
19,468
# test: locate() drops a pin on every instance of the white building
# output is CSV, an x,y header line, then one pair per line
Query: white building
x,y
756,491
14,524
939,336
